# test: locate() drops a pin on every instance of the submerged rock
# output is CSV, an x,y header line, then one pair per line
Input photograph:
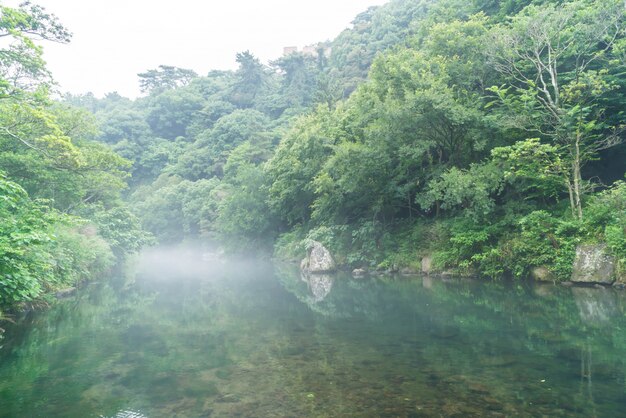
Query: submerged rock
x,y
359,273
593,264
318,260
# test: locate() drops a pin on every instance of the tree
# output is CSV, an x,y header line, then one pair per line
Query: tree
x,y
22,68
299,79
209,153
170,112
244,220
373,31
174,209
250,79
165,77
472,190
299,157
555,60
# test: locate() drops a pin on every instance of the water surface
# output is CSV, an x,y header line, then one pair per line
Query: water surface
x,y
182,337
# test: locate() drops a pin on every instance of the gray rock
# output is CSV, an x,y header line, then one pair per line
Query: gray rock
x,y
358,273
541,274
408,271
427,264
593,265
65,293
318,260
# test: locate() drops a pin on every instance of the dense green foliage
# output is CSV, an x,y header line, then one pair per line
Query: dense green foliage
x,y
483,133
61,214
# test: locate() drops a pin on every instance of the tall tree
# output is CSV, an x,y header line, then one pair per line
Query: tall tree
x,y
250,79
555,59
22,68
165,77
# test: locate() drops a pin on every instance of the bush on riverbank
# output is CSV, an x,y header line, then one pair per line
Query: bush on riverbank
x,y
42,250
508,245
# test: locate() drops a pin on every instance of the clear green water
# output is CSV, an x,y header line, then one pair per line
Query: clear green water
x,y
186,338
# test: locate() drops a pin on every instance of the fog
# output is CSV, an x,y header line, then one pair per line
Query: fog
x,y
114,39
193,262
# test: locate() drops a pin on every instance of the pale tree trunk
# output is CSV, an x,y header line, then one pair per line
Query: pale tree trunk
x,y
570,190
577,178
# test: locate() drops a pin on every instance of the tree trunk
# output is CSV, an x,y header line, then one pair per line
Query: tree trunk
x,y
577,178
570,191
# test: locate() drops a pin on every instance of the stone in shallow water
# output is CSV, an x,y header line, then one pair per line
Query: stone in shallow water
x,y
593,264
359,273
318,260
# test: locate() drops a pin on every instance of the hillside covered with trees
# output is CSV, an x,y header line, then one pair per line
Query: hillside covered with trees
x,y
488,135
62,219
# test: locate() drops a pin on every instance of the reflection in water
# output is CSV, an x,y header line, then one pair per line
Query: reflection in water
x,y
319,285
187,338
428,282
597,306
129,414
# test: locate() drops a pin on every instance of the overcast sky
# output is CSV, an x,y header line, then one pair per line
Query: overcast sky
x,y
116,39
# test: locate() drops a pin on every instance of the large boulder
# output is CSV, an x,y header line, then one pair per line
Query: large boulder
x,y
318,260
593,264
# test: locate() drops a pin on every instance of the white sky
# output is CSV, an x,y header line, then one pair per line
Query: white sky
x,y
116,39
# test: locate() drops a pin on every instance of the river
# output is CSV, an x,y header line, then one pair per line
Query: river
x,y
177,336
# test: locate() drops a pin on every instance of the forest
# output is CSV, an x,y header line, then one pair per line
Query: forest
x,y
488,135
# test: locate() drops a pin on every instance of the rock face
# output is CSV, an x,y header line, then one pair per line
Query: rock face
x,y
318,260
593,265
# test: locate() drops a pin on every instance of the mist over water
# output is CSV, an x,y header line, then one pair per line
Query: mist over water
x,y
187,334
193,262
